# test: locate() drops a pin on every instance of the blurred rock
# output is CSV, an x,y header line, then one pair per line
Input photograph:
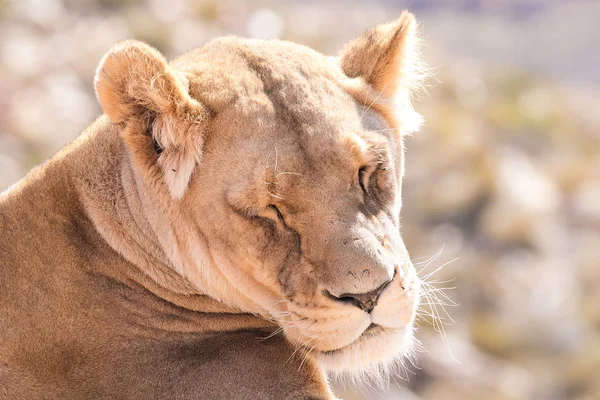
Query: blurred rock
x,y
523,198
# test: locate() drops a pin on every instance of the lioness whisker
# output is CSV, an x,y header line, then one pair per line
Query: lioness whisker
x,y
384,130
437,292
438,269
432,289
431,298
440,282
288,173
429,260
438,323
435,298
274,333
306,357
441,303
373,102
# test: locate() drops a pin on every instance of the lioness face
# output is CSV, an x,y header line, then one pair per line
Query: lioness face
x,y
315,209
298,191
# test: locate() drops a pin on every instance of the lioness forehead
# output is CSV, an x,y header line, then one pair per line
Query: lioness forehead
x,y
278,89
271,78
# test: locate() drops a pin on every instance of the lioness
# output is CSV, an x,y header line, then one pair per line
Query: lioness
x,y
246,189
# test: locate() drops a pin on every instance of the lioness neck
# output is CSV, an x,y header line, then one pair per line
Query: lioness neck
x,y
95,171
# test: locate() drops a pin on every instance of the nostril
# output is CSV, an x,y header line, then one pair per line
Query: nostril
x,y
364,301
344,299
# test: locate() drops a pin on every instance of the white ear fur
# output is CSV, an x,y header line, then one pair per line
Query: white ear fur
x,y
177,170
177,162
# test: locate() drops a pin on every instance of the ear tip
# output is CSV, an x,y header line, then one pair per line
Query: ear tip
x,y
407,15
407,20
130,45
116,53
115,68
405,24
129,50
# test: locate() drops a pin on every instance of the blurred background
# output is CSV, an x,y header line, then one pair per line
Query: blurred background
x,y
505,176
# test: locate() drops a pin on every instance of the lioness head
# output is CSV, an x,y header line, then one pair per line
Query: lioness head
x,y
273,174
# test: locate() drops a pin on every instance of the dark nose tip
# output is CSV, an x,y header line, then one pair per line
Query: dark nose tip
x,y
364,301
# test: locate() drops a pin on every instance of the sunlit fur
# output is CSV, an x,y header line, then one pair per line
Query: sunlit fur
x,y
246,186
356,110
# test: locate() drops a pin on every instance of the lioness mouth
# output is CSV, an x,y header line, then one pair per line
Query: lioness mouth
x,y
370,331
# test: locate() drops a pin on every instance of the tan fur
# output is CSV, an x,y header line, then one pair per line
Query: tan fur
x,y
148,260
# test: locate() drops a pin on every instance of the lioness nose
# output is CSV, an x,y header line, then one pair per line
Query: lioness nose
x,y
364,301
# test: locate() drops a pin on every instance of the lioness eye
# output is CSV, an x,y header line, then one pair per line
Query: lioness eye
x,y
277,212
363,179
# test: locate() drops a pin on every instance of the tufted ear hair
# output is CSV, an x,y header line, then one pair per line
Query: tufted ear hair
x,y
136,86
387,59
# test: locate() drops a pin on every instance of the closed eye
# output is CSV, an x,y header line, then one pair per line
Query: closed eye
x,y
363,178
277,212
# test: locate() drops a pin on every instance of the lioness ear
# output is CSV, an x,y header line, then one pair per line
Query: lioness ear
x,y
134,82
386,58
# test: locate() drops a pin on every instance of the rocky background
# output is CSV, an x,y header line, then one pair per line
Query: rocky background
x,y
502,186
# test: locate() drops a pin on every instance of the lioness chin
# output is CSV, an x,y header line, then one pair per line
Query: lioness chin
x,y
246,189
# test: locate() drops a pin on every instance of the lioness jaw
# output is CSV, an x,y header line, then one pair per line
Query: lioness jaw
x,y
248,189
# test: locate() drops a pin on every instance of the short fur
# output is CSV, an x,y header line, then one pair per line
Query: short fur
x,y
247,188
